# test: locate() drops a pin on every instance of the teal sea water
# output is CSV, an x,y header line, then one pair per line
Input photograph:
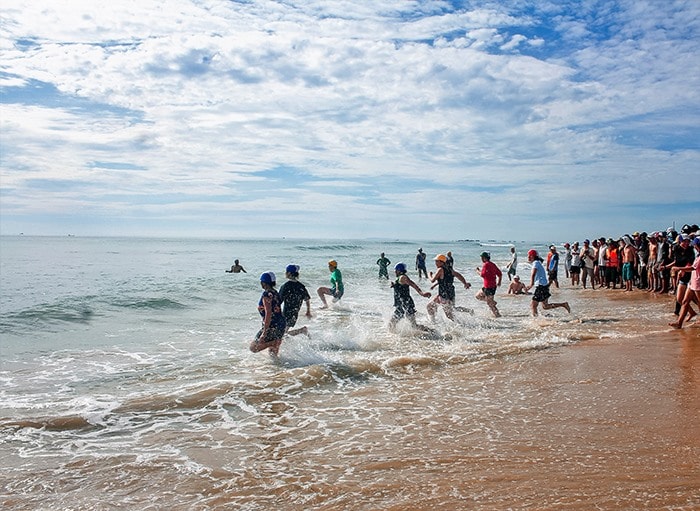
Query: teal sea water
x,y
126,375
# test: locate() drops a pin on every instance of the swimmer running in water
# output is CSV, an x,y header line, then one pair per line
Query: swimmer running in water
x,y
444,279
293,294
337,289
404,307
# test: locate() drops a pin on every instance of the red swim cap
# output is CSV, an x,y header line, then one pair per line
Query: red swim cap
x,y
532,253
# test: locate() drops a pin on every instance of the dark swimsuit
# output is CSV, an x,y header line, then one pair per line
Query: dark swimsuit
x,y
446,288
403,301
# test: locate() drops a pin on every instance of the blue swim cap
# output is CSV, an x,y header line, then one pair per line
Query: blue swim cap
x,y
400,267
292,268
268,278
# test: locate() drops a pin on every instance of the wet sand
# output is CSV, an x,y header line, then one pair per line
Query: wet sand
x,y
609,422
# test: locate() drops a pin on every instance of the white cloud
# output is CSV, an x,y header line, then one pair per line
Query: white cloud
x,y
204,95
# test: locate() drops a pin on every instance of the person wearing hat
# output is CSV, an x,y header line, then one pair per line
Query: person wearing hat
x,y
443,278
337,289
517,287
293,294
588,264
692,293
492,276
568,256
274,324
538,280
420,264
404,306
682,257
383,263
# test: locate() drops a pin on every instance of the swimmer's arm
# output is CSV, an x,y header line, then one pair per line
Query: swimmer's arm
x,y
459,277
414,286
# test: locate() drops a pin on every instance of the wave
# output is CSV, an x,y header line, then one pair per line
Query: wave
x,y
150,303
70,311
326,248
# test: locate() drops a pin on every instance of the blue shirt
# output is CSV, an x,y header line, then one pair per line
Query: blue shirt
x,y
540,274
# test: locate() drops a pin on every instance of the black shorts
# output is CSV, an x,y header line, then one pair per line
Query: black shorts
x,y
541,294
273,334
575,270
489,291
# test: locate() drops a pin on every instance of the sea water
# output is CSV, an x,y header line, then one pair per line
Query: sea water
x,y
127,382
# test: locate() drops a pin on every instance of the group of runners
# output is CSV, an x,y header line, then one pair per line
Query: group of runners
x,y
662,262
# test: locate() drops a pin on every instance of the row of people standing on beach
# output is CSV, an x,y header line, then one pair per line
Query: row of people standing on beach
x,y
663,262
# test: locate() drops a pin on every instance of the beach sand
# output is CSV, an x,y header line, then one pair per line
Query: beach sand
x,y
607,423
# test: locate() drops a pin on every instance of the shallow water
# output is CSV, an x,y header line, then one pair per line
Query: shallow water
x,y
127,383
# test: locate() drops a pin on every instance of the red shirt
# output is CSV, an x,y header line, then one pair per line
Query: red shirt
x,y
490,273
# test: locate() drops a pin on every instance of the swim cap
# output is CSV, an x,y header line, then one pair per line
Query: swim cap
x,y
532,253
400,267
332,263
485,255
696,242
440,257
268,278
292,268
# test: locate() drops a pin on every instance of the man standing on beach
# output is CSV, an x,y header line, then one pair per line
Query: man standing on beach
x,y
588,262
629,257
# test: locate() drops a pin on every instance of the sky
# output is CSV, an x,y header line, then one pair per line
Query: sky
x,y
396,119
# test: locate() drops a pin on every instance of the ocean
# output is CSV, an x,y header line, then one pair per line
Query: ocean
x,y
127,383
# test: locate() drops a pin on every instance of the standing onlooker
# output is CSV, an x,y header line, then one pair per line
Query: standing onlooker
x,y
692,294
588,264
567,259
575,263
553,265
602,261
629,258
420,264
383,263
512,266
492,276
